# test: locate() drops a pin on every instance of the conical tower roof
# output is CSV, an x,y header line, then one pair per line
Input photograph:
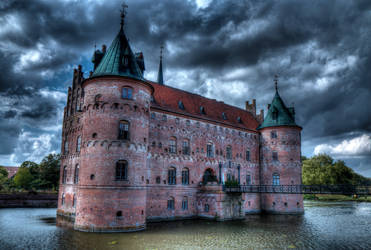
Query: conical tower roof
x,y
119,60
278,114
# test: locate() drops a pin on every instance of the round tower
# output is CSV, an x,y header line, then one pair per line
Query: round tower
x,y
111,190
280,150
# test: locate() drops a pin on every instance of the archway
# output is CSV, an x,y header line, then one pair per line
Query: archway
x,y
209,176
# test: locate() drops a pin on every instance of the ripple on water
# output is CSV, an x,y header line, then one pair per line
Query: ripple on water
x,y
323,226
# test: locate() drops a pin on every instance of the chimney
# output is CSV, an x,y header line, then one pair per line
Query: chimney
x,y
251,107
269,106
104,47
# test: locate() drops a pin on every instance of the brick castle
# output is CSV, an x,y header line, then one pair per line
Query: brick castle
x,y
135,151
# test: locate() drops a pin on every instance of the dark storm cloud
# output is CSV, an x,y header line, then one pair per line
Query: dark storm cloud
x,y
228,50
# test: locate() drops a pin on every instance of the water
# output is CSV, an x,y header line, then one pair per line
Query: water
x,y
325,225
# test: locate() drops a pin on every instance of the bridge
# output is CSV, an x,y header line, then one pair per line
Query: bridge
x,y
300,189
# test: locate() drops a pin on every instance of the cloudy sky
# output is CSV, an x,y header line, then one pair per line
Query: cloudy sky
x,y
227,50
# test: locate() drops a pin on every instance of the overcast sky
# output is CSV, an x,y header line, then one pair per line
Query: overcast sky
x,y
226,50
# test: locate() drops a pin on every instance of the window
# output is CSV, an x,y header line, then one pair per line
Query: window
x,y
153,144
172,146
170,204
164,118
274,113
64,176
65,148
74,200
276,179
185,176
172,176
209,150
153,116
124,130
76,178
224,116
229,152
273,134
119,214
239,120
274,156
206,208
248,179
78,144
202,110
63,199
127,93
181,105
94,135
176,120
185,203
247,155
158,180
188,122
159,145
121,170
98,98
186,149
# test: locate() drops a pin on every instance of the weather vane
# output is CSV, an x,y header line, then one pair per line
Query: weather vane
x,y
123,13
276,82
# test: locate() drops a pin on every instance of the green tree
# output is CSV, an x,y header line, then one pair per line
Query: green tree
x,y
23,178
3,177
49,171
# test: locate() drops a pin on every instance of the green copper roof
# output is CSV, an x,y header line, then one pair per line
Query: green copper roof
x,y
278,114
119,60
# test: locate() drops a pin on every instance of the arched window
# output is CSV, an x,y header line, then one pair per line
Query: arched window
x,y
121,170
171,203
127,93
276,179
185,203
172,176
248,179
78,143
209,150
63,199
124,130
74,200
172,146
65,147
64,176
76,179
186,149
185,176
273,134
229,152
98,98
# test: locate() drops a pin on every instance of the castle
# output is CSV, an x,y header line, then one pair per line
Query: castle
x,y
135,151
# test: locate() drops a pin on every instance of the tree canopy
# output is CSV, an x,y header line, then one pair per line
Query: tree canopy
x,y
323,170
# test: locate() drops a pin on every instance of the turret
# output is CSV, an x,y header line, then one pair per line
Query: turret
x,y
115,130
280,157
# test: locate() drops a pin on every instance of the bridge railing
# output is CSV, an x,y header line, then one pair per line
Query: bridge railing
x,y
300,189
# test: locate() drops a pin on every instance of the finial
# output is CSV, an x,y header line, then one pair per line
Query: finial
x,y
123,14
161,48
276,82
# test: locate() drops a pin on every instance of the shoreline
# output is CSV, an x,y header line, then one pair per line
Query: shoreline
x,y
336,197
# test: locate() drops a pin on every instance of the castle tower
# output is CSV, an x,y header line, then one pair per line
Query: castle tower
x,y
111,190
280,157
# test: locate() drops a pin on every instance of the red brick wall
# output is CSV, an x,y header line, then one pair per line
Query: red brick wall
x,y
288,146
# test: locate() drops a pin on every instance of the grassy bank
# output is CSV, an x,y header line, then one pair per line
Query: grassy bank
x,y
336,197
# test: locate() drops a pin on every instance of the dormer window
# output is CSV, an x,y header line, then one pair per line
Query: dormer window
x,y
224,115
274,113
239,120
181,105
202,110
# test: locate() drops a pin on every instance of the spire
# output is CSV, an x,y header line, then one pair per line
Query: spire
x,y
278,114
160,76
119,60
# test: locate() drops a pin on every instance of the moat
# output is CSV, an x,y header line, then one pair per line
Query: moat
x,y
325,225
